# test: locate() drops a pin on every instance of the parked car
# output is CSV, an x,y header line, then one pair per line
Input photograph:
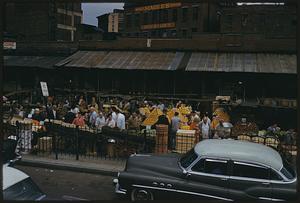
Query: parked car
x,y
214,169
19,186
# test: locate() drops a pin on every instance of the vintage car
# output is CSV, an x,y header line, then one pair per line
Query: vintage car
x,y
214,169
17,185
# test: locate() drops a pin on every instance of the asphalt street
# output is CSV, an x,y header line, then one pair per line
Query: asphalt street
x,y
68,185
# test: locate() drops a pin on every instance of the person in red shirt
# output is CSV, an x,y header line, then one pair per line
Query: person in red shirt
x,y
79,120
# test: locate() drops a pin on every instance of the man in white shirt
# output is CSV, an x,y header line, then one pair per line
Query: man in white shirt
x,y
100,121
93,116
110,122
120,120
114,114
205,128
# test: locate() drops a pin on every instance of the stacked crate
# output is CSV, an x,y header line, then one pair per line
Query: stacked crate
x,y
185,140
161,139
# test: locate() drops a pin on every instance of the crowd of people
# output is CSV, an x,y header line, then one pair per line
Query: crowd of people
x,y
115,113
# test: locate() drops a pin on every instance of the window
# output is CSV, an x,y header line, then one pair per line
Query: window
x,y
155,16
287,170
184,14
146,18
250,171
199,166
24,190
218,167
174,15
215,167
184,33
165,16
228,23
195,13
274,175
137,19
188,158
128,18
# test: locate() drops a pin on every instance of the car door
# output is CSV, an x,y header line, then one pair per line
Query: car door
x,y
249,181
208,178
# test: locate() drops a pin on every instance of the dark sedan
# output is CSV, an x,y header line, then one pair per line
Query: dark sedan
x,y
214,169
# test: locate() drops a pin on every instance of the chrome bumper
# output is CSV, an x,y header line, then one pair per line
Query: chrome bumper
x,y
118,189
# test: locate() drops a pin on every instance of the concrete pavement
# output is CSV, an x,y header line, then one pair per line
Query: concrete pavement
x,y
84,164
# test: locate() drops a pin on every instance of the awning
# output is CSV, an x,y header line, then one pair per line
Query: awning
x,y
243,62
32,61
130,60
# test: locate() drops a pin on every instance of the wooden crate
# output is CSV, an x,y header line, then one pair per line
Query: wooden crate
x,y
185,140
44,144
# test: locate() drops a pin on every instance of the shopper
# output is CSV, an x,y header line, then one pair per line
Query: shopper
x,y
100,121
163,119
175,123
93,116
120,120
79,120
70,116
205,128
207,118
133,122
110,121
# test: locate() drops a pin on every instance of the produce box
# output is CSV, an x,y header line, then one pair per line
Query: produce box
x,y
257,139
244,137
185,140
44,144
161,139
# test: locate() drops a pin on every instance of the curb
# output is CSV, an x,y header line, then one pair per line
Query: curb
x,y
66,167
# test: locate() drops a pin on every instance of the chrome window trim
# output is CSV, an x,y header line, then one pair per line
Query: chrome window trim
x,y
271,199
208,174
216,160
250,164
182,191
249,179
221,160
260,165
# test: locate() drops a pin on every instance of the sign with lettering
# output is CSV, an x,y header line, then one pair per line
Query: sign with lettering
x,y
9,45
157,7
158,26
44,88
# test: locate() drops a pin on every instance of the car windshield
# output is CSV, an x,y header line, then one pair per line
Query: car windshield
x,y
24,190
188,158
287,170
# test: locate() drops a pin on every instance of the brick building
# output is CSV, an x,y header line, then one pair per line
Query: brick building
x,y
191,20
47,20
112,22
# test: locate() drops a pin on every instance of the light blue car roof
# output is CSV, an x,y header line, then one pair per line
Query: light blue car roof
x,y
240,151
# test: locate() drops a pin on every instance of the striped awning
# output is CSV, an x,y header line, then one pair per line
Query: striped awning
x,y
130,60
243,62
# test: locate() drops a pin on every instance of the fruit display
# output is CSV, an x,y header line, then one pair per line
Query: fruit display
x,y
152,117
244,128
145,111
222,115
185,110
171,113
185,127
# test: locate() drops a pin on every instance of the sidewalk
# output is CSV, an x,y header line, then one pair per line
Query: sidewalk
x,y
84,164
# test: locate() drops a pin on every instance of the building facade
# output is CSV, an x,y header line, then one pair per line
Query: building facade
x,y
112,22
45,21
191,20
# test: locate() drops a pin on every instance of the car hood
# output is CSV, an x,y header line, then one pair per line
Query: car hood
x,y
154,164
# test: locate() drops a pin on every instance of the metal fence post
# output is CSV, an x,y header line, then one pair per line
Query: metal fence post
x,y
77,142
